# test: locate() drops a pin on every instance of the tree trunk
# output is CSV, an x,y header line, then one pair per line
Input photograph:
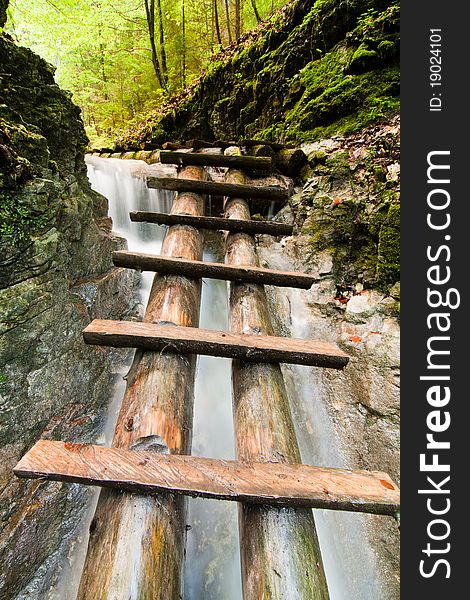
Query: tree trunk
x,y
216,21
132,537
162,43
183,50
255,10
227,16
238,19
150,14
280,554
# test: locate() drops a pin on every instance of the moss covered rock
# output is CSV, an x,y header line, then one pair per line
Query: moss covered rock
x,y
349,206
318,68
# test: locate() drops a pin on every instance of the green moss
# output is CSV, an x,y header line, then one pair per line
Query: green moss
x,y
388,262
19,221
338,165
321,68
362,58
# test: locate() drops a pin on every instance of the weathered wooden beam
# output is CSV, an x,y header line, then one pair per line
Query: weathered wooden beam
x,y
193,268
273,145
197,144
290,161
276,484
192,340
268,193
136,546
215,160
280,554
261,150
214,223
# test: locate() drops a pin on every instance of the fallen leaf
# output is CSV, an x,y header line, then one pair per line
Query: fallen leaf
x,y
355,338
73,447
386,484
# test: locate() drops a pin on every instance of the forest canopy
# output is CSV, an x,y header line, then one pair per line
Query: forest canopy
x,y
122,58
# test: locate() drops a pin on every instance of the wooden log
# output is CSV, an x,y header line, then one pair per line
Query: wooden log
x,y
279,549
215,160
192,340
197,144
214,223
261,150
276,484
273,145
136,546
269,193
290,161
193,268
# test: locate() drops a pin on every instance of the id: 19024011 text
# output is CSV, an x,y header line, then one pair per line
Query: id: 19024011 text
x,y
435,69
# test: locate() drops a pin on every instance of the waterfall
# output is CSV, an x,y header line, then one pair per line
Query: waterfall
x,y
212,567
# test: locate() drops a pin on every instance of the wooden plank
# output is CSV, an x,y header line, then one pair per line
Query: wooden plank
x,y
259,483
197,144
269,193
273,145
214,223
192,340
215,160
196,269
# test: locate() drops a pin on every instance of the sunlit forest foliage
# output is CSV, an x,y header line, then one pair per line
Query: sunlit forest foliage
x,y
122,58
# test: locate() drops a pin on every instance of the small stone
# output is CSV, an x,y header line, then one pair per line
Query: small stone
x,y
393,172
363,305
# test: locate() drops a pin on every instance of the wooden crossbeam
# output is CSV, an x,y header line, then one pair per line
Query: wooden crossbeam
x,y
259,483
196,144
197,269
191,340
205,159
214,223
233,190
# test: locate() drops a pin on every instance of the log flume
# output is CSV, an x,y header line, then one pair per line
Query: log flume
x,y
137,539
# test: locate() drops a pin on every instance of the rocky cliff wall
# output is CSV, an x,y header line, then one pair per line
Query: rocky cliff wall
x,y
55,276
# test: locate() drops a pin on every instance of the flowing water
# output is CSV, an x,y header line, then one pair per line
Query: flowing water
x,y
212,568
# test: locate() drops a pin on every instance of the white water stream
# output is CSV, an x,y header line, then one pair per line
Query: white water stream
x,y
212,568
